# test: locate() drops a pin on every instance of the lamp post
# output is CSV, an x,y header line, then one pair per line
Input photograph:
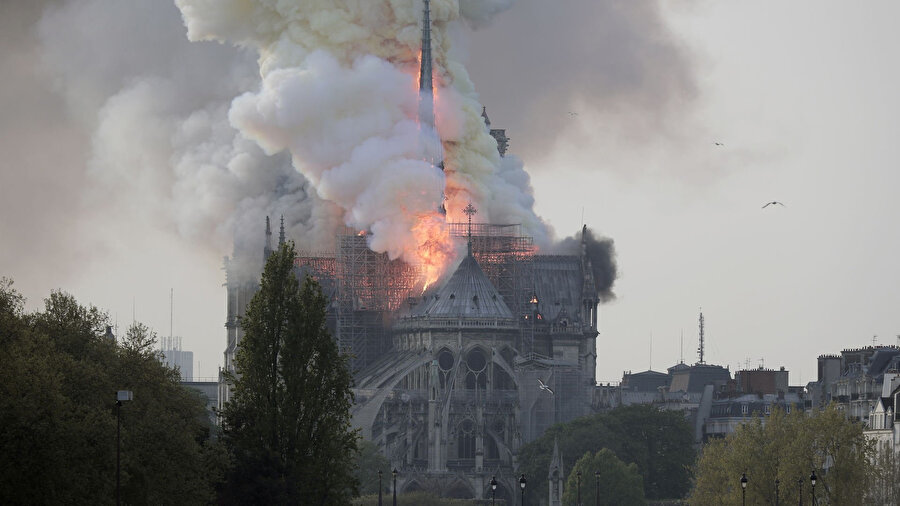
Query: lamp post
x,y
800,484
578,480
597,475
121,396
493,489
394,474
776,491
379,487
743,488
522,482
812,481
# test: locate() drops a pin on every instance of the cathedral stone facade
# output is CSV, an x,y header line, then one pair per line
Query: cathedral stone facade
x,y
473,368
450,383
469,380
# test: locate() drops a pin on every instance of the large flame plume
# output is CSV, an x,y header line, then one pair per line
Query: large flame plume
x,y
334,92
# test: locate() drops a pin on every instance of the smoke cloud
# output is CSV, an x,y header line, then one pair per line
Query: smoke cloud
x,y
339,93
586,73
307,111
601,252
156,108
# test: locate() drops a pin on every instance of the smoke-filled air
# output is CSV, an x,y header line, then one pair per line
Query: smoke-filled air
x,y
306,109
339,92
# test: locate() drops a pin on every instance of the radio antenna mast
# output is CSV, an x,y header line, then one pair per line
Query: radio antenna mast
x,y
700,348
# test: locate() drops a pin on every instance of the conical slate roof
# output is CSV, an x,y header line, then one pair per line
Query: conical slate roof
x,y
468,293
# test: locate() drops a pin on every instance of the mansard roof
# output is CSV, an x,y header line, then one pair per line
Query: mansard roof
x,y
467,294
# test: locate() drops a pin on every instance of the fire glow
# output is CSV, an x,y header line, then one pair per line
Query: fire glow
x,y
435,248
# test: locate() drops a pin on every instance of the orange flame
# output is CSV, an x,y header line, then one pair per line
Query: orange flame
x,y
435,247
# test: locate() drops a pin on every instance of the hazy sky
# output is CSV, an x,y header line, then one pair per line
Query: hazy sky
x,y
615,108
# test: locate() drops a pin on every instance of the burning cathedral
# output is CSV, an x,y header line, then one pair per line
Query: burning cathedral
x,y
454,372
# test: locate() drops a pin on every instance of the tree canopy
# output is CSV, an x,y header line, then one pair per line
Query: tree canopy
x,y
659,443
368,462
58,380
287,423
787,447
620,484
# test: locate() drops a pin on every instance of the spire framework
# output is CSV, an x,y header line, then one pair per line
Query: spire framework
x,y
426,85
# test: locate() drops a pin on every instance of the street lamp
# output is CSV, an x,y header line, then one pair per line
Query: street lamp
x,y
379,486
812,481
522,486
743,488
776,491
121,396
597,475
578,479
394,474
493,488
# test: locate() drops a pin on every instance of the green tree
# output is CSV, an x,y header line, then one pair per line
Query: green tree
x,y
58,378
786,447
659,442
885,481
368,462
288,421
620,483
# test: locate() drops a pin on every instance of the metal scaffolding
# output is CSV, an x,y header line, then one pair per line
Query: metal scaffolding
x,y
506,256
366,288
370,286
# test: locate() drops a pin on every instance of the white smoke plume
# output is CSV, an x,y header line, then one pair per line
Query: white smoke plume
x,y
338,92
162,146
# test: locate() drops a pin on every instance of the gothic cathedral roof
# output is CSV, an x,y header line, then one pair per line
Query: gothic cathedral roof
x,y
467,294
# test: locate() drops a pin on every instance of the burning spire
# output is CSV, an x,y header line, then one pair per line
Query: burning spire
x,y
426,85
427,128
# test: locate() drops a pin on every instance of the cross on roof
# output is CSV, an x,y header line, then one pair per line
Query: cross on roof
x,y
470,211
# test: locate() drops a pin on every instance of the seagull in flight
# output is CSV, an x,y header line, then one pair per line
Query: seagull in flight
x,y
774,202
544,386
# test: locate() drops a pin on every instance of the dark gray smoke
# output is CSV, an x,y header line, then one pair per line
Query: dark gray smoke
x,y
601,251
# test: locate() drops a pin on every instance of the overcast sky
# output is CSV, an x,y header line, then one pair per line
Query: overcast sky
x,y
615,108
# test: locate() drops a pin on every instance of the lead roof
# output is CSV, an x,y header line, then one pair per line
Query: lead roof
x,y
468,293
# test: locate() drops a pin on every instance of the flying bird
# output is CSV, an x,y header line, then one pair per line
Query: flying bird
x,y
544,386
774,202
717,143
573,113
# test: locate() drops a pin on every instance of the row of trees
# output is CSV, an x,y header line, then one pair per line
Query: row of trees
x,y
58,380
285,437
659,445
642,454
787,448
